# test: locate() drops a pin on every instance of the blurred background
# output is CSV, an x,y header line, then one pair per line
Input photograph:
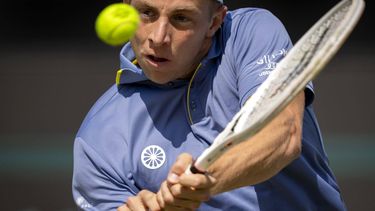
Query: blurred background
x,y
53,68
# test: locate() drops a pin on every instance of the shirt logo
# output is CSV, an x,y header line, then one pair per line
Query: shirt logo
x,y
82,203
269,61
153,157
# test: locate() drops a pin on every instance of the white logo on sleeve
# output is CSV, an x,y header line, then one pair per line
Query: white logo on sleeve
x,y
82,203
153,157
269,61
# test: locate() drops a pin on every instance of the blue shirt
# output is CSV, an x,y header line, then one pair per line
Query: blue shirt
x,y
135,131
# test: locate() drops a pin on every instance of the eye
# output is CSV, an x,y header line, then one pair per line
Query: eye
x,y
181,18
147,14
183,21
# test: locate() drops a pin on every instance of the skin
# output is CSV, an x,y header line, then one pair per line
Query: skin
x,y
173,37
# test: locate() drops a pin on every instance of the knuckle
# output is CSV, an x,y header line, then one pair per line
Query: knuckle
x,y
176,190
142,192
131,198
168,200
184,156
179,167
145,194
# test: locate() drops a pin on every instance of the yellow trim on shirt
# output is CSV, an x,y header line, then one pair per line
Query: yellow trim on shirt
x,y
118,77
119,72
188,94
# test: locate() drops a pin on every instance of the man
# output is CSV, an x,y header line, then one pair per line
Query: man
x,y
187,71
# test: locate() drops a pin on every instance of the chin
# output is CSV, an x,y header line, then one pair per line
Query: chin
x,y
158,79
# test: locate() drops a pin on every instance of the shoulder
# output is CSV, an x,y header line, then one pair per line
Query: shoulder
x,y
103,120
253,41
248,18
249,11
99,107
253,30
253,27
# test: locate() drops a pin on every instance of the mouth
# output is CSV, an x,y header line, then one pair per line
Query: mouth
x,y
156,60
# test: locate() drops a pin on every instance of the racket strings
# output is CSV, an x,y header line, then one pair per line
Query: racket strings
x,y
306,52
301,59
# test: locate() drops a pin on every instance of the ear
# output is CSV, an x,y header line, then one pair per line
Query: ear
x,y
217,20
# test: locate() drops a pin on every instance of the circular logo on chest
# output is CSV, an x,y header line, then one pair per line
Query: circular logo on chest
x,y
153,157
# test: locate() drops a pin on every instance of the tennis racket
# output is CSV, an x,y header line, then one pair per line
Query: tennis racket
x,y
303,62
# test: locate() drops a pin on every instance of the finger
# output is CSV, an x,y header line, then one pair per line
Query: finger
x,y
197,181
166,195
134,203
168,200
123,208
149,200
159,198
188,193
179,167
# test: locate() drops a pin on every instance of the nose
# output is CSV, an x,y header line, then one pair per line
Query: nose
x,y
160,34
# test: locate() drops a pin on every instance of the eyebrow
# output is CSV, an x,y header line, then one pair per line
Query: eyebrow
x,y
184,8
188,9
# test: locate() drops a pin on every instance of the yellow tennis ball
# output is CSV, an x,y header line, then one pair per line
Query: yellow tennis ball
x,y
117,23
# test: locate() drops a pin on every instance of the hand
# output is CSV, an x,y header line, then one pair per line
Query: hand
x,y
144,200
184,191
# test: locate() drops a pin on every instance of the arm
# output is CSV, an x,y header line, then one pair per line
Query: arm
x,y
263,155
277,144
251,162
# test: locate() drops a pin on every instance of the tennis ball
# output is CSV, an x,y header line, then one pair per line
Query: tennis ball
x,y
117,23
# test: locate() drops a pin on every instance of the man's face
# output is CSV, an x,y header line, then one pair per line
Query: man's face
x,y
174,35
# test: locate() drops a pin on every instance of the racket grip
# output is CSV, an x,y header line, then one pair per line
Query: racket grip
x,y
194,170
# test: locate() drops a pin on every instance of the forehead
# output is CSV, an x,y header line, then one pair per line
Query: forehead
x,y
194,5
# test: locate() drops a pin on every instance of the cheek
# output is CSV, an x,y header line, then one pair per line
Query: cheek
x,y
187,43
137,42
141,35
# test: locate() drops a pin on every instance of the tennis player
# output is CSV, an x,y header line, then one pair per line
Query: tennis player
x,y
190,67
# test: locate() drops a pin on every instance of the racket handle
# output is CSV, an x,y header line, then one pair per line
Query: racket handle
x,y
194,170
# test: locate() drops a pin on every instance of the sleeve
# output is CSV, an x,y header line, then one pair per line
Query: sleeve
x,y
260,42
96,186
